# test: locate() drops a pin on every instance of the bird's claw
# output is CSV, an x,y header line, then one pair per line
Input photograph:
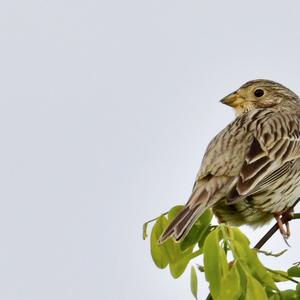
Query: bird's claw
x,y
284,228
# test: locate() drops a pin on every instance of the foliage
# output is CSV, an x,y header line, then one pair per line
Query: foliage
x,y
232,269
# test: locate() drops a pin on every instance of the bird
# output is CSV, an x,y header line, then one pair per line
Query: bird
x,y
250,172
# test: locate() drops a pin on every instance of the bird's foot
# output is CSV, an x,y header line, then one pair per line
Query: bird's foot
x,y
282,220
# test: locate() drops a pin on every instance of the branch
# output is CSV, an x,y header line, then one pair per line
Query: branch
x,y
269,253
285,219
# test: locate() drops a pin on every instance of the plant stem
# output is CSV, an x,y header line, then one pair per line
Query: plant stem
x,y
269,253
286,277
145,226
296,216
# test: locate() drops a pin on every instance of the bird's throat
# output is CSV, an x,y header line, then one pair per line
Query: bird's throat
x,y
241,109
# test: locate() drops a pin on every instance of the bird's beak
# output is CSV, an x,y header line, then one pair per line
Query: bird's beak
x,y
233,100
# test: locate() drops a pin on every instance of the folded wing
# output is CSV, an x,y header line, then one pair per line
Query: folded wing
x,y
276,142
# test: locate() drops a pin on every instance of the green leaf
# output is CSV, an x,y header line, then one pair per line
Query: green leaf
x,y
249,257
275,297
169,253
206,217
255,290
178,267
259,271
294,271
158,252
289,295
204,235
192,238
215,263
194,282
298,290
278,275
231,285
177,258
239,237
243,274
270,292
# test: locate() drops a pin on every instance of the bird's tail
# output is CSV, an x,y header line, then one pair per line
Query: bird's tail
x,y
183,222
200,200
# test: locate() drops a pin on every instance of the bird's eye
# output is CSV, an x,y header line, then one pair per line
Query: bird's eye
x,y
258,93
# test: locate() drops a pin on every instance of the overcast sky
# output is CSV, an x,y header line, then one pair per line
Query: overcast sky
x,y
106,108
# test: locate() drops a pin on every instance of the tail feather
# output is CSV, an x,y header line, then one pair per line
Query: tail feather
x,y
183,222
200,200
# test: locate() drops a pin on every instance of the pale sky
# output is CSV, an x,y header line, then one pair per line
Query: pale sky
x,y
106,108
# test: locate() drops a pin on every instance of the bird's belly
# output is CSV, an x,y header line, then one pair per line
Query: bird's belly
x,y
241,213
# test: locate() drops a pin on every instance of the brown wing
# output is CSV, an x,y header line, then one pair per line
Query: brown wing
x,y
275,143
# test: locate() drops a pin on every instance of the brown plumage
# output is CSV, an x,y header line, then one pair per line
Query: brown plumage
x,y
251,169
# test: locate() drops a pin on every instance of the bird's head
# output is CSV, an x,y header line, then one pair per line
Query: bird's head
x,y
260,93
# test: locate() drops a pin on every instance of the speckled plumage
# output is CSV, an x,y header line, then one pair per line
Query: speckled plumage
x,y
251,169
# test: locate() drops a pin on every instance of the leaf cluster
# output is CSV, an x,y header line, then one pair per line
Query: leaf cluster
x,y
232,269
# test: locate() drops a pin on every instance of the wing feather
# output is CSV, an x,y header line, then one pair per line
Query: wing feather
x,y
276,142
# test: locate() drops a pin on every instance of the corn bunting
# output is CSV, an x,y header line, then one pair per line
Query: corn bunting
x,y
250,172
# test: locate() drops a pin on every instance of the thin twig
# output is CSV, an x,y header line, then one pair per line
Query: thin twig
x,y
145,225
270,253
